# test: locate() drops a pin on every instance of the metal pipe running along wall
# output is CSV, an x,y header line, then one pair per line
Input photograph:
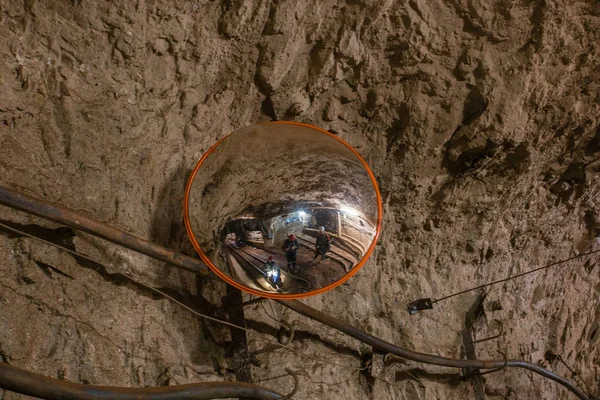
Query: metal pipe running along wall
x,y
86,224
77,221
30,384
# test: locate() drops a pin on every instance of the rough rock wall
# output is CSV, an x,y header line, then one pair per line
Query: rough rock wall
x,y
480,120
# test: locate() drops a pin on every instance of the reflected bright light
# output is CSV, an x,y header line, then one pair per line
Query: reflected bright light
x,y
349,211
302,214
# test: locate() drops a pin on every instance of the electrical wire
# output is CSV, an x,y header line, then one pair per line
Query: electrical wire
x,y
81,222
516,276
574,374
168,297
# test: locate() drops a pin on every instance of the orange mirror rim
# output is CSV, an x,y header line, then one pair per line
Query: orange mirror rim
x,y
222,275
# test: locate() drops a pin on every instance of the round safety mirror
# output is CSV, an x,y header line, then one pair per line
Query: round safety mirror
x,y
283,210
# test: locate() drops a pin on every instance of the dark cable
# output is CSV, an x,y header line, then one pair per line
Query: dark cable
x,y
387,347
78,221
170,298
574,374
517,276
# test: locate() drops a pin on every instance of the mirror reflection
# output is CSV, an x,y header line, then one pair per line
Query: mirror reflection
x,y
282,208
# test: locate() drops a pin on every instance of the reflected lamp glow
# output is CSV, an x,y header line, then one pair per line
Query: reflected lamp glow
x,y
350,211
272,273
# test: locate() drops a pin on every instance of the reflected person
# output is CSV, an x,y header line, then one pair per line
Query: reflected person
x,y
322,245
273,273
290,246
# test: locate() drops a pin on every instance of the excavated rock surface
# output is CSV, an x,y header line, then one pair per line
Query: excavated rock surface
x,y
481,121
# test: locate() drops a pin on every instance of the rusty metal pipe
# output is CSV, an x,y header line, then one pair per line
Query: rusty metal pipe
x,y
83,223
30,384
86,224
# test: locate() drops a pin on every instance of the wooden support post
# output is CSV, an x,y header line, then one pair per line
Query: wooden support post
x,y
238,350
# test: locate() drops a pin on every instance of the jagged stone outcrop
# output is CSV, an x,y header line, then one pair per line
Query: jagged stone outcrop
x,y
479,119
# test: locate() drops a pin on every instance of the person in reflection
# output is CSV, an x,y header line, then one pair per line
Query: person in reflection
x,y
273,273
322,245
290,246
231,239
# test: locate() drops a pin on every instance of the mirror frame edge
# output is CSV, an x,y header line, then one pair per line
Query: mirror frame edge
x,y
231,281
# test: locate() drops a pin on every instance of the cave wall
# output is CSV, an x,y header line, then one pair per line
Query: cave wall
x,y
480,120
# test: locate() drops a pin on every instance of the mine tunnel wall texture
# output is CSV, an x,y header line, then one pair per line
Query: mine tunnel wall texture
x,y
479,119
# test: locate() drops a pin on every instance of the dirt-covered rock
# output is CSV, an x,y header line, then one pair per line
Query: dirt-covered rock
x,y
481,121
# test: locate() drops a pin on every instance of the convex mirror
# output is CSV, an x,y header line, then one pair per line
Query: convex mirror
x,y
283,210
